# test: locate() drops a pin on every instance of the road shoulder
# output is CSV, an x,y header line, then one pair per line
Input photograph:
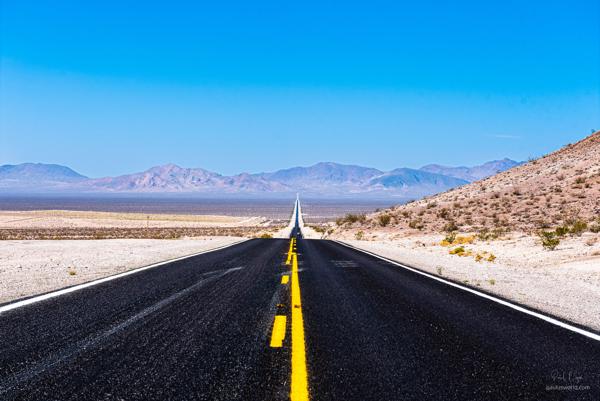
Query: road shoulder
x,y
28,268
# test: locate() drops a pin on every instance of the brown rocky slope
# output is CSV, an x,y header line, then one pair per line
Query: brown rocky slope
x,y
561,188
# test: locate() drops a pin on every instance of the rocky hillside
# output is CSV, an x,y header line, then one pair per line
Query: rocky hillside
x,y
560,188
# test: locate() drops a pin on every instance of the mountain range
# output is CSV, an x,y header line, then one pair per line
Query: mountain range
x,y
322,179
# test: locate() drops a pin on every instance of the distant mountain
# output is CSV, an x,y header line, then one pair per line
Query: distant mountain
x,y
415,182
169,177
39,172
323,174
475,173
31,175
322,179
172,178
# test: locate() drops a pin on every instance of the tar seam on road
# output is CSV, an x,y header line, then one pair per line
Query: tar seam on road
x,y
299,390
57,293
70,351
538,315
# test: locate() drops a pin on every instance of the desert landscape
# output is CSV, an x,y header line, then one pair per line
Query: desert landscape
x,y
34,267
516,234
303,201
530,234
45,250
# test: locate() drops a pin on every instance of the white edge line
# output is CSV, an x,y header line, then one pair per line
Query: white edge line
x,y
78,287
548,319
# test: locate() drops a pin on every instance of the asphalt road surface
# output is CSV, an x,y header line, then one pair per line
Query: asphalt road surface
x,y
205,328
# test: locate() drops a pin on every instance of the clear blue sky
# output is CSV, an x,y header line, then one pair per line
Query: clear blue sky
x,y
116,87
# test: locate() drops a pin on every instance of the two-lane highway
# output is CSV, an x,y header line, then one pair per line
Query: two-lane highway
x,y
280,319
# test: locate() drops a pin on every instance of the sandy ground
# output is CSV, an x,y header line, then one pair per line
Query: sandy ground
x,y
34,267
84,219
564,282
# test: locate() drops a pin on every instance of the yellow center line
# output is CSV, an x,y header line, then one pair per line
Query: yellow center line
x,y
278,331
284,279
290,251
299,387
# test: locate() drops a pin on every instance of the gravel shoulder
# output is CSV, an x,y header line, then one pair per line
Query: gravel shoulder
x,y
34,267
564,282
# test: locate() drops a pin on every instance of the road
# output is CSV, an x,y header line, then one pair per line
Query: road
x,y
272,319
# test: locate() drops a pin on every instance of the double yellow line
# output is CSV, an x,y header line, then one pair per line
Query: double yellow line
x,y
299,379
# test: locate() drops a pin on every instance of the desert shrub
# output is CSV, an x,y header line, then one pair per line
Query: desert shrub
x,y
467,239
431,205
266,235
318,229
578,227
595,228
351,218
457,251
561,231
549,239
359,235
384,219
450,237
450,226
580,180
484,234
444,213
416,224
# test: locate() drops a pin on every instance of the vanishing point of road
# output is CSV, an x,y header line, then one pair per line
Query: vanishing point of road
x,y
276,319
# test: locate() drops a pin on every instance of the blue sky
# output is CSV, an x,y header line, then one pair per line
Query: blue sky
x,y
117,87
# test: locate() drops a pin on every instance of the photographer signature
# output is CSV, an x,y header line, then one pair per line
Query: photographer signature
x,y
567,376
